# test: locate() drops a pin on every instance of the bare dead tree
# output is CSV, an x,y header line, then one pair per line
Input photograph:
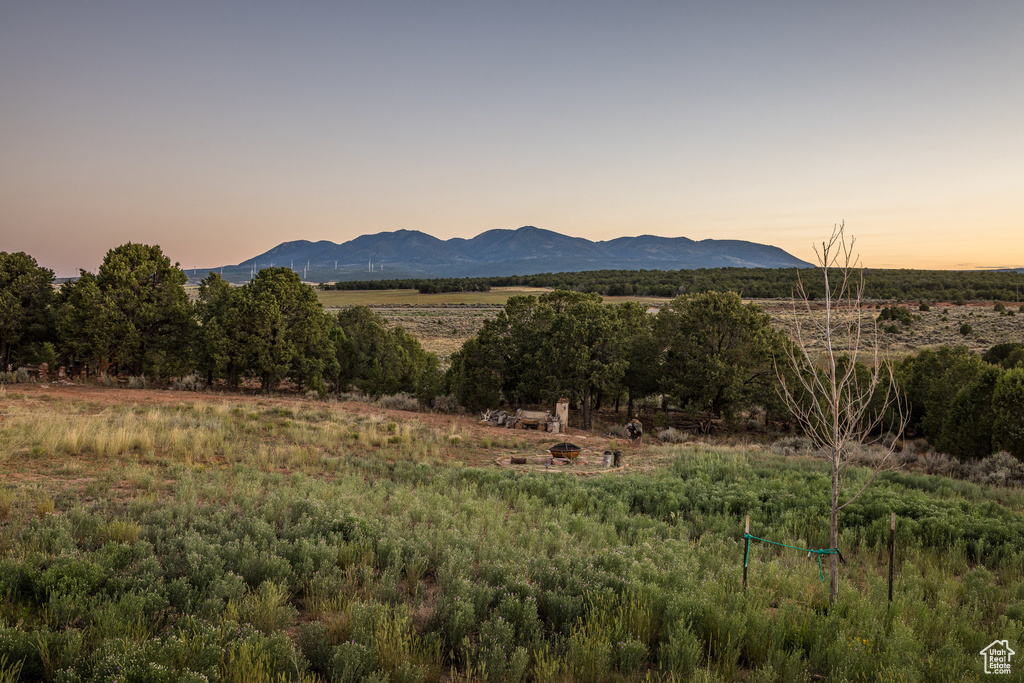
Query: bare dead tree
x,y
838,408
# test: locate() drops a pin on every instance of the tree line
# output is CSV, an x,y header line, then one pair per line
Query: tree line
x,y
751,283
133,317
714,357
422,285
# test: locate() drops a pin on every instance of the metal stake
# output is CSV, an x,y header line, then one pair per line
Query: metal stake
x,y
746,551
892,550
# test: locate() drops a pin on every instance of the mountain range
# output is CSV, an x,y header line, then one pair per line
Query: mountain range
x,y
525,251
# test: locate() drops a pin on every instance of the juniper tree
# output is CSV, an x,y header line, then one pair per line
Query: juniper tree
x,y
26,319
719,353
147,309
133,314
285,329
221,348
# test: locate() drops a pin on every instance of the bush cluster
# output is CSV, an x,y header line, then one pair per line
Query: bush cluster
x,y
966,405
900,314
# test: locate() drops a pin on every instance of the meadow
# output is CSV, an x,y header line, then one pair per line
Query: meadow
x,y
164,536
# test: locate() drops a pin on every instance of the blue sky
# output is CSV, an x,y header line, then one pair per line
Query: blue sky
x,y
218,130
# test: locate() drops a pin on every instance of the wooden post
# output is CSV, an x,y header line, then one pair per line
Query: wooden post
x,y
892,550
746,552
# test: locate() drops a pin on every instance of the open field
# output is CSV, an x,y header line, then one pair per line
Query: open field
x,y
935,327
443,322
163,536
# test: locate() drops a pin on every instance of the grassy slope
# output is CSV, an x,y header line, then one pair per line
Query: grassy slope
x,y
245,539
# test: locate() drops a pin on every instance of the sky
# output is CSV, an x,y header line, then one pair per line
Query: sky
x,y
220,129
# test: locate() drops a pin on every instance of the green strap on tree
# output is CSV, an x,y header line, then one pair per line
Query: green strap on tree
x,y
819,553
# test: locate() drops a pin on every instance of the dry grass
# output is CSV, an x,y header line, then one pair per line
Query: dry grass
x,y
67,448
440,330
73,439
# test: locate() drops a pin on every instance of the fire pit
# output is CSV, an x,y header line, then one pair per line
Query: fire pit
x,y
565,450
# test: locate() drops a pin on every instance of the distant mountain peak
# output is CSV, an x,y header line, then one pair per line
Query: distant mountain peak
x,y
501,251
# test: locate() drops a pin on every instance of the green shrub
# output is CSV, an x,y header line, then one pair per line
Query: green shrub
x,y
497,653
454,615
590,653
967,429
618,430
55,650
19,651
10,672
350,662
966,329
1007,354
118,531
681,652
900,314
256,659
1008,405
629,656
266,608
